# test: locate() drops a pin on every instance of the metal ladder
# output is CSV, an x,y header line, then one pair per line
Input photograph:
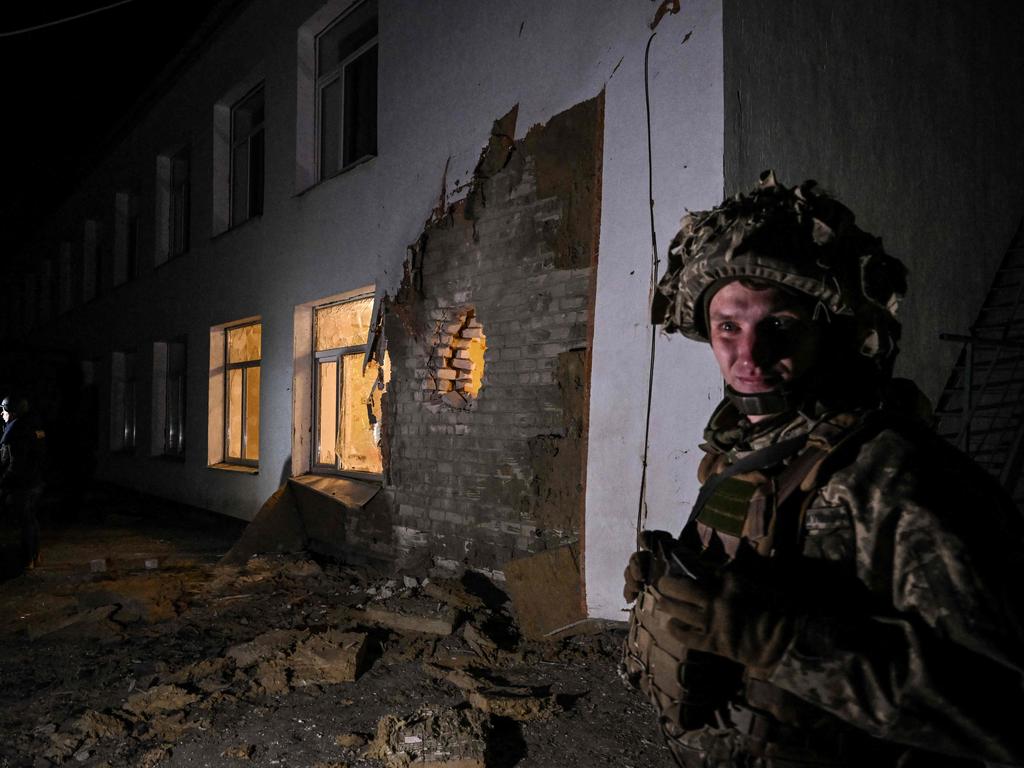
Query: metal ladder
x,y
981,410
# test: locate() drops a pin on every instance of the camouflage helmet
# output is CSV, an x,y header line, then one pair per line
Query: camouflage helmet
x,y
798,237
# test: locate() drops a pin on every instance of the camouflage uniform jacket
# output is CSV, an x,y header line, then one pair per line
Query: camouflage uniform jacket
x,y
911,559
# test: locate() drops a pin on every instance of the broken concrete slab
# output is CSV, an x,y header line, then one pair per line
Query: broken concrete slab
x,y
330,657
546,591
432,738
272,643
454,593
413,614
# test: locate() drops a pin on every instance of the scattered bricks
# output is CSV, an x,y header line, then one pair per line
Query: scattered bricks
x,y
471,333
452,328
461,364
445,386
442,352
432,738
445,339
461,343
331,657
446,373
462,354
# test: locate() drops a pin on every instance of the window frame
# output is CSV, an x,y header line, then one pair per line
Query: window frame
x,y
337,74
175,419
244,367
179,201
254,202
338,355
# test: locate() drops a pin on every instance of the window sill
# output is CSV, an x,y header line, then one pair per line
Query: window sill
x,y
235,227
239,468
337,174
351,492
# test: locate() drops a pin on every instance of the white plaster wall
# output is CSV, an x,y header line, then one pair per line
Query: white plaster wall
x,y
687,117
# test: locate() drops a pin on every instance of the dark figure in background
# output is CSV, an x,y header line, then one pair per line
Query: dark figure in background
x,y
22,458
847,589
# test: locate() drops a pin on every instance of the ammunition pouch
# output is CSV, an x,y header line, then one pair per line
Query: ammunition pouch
x,y
688,688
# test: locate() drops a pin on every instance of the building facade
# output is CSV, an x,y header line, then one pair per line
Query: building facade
x,y
408,247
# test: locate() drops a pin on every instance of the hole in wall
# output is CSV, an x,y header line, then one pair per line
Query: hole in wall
x,y
455,370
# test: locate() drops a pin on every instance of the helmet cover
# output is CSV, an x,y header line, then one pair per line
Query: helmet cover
x,y
800,238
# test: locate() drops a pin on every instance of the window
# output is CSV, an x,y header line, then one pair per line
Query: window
x,y
90,260
346,89
174,420
242,394
247,158
126,237
173,200
64,277
168,434
179,203
123,397
346,395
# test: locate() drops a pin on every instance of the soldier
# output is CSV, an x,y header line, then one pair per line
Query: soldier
x,y
22,453
846,589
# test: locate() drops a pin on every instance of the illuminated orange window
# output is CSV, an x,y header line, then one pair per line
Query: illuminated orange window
x,y
347,393
242,394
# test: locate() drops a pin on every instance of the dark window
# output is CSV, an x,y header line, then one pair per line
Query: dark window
x,y
347,89
174,423
179,204
247,158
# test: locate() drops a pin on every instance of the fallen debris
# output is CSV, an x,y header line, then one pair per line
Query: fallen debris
x,y
159,699
514,702
432,737
546,591
331,657
413,615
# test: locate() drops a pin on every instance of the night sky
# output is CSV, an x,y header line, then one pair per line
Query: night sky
x,y
67,87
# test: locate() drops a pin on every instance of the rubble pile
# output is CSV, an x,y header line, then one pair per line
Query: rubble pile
x,y
284,661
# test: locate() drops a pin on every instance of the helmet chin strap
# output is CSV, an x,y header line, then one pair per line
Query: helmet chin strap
x,y
765,403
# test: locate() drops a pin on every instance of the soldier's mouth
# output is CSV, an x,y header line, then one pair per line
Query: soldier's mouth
x,y
757,384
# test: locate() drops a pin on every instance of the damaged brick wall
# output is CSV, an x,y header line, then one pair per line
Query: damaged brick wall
x,y
502,476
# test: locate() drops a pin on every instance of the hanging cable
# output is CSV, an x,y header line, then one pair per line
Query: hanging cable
x,y
655,262
54,23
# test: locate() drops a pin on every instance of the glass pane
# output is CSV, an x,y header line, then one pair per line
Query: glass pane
x,y
252,413
361,107
359,450
327,412
343,325
234,436
256,174
244,343
346,37
247,115
240,183
330,128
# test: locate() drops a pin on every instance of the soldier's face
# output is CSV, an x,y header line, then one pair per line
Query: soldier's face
x,y
761,337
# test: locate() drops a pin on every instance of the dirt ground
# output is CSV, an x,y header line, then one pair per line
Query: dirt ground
x,y
131,646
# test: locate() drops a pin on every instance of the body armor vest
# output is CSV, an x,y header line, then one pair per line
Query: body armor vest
x,y
751,508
